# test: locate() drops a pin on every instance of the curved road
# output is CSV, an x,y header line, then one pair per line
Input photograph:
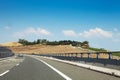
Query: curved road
x,y
34,69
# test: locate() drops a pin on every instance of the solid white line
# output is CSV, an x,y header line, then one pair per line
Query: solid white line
x,y
60,73
4,73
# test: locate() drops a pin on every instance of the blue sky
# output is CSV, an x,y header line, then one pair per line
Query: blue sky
x,y
97,21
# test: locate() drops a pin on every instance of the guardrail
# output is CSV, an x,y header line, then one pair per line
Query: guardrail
x,y
6,54
97,60
82,54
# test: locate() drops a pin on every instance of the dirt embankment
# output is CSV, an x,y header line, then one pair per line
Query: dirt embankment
x,y
47,49
40,49
11,44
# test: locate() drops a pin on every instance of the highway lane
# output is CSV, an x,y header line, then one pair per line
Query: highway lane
x,y
78,73
31,69
9,62
34,69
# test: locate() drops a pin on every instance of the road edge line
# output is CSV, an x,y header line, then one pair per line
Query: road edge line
x,y
94,68
59,72
4,73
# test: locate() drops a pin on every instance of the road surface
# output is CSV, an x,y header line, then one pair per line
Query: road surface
x,y
32,68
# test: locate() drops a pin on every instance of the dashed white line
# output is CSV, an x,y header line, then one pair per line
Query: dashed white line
x,y
4,73
60,73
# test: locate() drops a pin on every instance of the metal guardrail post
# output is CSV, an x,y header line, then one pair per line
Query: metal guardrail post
x,y
97,55
89,55
110,55
65,55
76,54
68,55
81,55
71,54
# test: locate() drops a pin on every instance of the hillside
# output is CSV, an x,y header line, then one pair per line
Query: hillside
x,y
11,44
39,49
48,49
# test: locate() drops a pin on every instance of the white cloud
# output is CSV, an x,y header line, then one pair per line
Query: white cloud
x,y
91,33
70,33
43,32
115,29
32,32
7,27
97,32
116,40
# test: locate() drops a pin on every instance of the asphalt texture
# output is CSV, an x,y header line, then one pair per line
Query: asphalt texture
x,y
8,63
31,69
78,73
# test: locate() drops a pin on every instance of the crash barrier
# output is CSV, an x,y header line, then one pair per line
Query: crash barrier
x,y
87,57
5,52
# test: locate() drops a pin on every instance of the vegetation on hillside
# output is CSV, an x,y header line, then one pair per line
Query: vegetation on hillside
x,y
116,54
61,42
97,49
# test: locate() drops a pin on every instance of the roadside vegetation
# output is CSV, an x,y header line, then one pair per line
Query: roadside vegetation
x,y
84,44
61,42
102,49
97,49
116,54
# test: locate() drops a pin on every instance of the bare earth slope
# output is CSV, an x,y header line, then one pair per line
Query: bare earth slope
x,y
11,44
44,49
47,49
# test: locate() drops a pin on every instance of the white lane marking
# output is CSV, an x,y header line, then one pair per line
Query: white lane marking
x,y
4,73
60,73
17,64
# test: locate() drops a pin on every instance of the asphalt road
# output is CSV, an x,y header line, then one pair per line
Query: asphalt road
x,y
8,63
33,69
78,73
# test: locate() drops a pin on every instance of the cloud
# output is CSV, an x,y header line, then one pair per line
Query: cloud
x,y
70,33
7,27
91,33
97,32
32,32
98,37
115,29
43,32
116,40
116,37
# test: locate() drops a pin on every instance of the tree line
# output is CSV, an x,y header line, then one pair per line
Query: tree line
x,y
47,42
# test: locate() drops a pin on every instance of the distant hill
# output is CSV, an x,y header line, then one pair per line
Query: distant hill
x,y
11,44
40,49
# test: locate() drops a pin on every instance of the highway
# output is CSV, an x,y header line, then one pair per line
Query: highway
x,y
39,68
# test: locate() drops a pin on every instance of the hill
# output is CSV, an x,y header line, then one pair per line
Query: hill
x,y
11,44
50,49
40,49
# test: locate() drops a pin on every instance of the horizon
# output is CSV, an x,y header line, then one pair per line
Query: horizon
x,y
95,21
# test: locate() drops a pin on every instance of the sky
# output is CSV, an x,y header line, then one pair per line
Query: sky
x,y
97,21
